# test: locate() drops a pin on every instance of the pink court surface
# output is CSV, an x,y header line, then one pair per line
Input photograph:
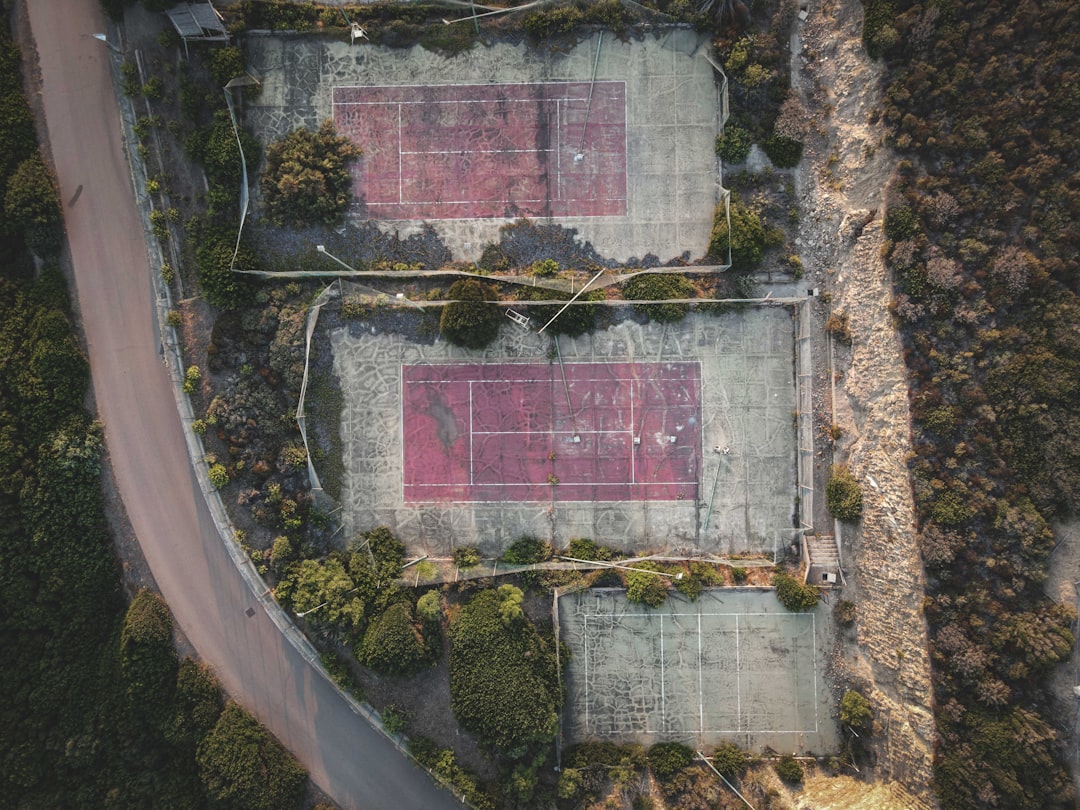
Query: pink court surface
x,y
524,432
552,149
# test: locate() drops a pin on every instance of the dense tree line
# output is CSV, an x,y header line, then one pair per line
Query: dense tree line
x,y
98,710
982,227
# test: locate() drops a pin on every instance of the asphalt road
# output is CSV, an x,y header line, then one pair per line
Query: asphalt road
x,y
353,763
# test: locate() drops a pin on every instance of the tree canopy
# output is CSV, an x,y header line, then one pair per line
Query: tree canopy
x,y
503,682
306,180
471,321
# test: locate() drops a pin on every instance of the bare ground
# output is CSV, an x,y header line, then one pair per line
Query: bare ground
x,y
841,186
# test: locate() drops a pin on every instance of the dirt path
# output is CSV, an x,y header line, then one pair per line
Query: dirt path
x,y
841,189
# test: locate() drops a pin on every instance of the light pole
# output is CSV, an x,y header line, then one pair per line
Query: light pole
x,y
490,13
603,564
105,39
312,610
400,296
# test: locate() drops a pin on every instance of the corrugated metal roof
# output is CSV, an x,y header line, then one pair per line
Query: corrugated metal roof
x,y
194,20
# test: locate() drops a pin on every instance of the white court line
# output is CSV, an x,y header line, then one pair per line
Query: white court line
x,y
549,432
585,628
477,151
558,150
530,200
738,676
470,437
400,161
633,455
663,695
564,482
813,639
434,101
700,687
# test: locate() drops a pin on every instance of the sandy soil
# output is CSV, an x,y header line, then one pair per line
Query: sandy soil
x,y
841,190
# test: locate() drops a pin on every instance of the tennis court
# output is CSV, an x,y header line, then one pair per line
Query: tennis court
x,y
488,150
732,666
530,431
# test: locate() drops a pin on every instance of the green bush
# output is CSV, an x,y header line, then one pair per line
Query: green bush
x,y
226,63
582,548
794,595
746,238
393,644
527,551
667,759
789,770
879,34
843,495
575,320
855,709
148,657
242,766
219,476
466,556
428,606
470,321
734,145
645,587
306,180
32,206
784,152
503,681
739,574
730,760
660,287
901,223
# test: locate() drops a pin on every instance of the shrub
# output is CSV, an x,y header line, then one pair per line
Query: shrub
x,y
428,607
789,770
667,759
794,595
746,238
242,766
191,379
527,551
147,655
901,223
219,476
879,34
855,709
784,152
583,548
645,587
466,556
730,760
306,180
470,321
843,495
739,574
392,643
226,64
659,287
32,206
734,145
845,612
575,320
503,681
395,719
545,268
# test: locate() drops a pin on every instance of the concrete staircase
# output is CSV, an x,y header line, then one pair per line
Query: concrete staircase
x,y
824,558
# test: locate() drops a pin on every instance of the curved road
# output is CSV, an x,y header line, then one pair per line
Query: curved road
x,y
353,763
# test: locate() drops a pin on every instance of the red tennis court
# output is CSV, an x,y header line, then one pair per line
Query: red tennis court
x,y
488,150
523,432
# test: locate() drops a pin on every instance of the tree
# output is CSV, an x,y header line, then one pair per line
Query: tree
x,y
307,180
843,495
503,681
746,236
470,321
646,587
734,145
32,206
667,759
855,709
730,760
148,657
789,770
577,319
243,767
527,551
660,287
392,643
794,595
